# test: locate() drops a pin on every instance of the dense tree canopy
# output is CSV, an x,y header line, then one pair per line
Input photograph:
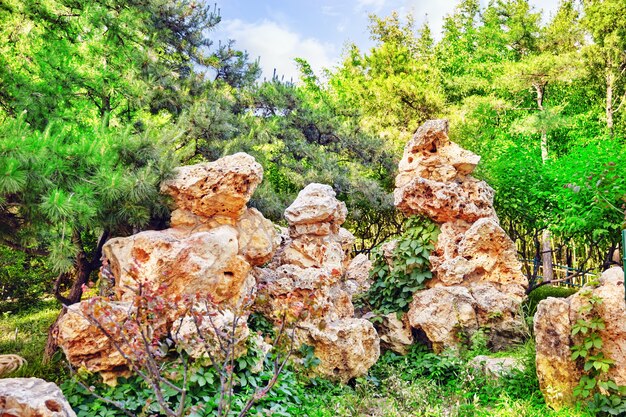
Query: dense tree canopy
x,y
99,99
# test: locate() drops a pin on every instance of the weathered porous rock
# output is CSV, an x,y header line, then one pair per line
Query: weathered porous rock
x,y
183,263
558,374
315,211
222,187
441,312
395,334
346,348
32,397
212,245
84,343
186,331
474,264
496,367
357,277
311,272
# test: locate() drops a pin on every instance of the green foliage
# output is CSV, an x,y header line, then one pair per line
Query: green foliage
x,y
394,284
23,279
603,394
24,333
543,292
203,390
78,184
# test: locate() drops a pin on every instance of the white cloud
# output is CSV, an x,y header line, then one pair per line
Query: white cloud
x,y
370,5
330,11
277,46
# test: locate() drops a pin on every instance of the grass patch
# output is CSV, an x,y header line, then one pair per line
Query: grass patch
x,y
25,333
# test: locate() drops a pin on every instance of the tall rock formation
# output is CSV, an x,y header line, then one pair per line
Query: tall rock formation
x,y
216,247
477,280
211,247
558,374
309,270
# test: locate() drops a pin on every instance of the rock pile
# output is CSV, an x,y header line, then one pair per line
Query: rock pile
x,y
211,247
308,270
216,246
477,280
558,373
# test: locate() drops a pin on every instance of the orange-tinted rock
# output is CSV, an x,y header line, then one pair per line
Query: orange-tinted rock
x,y
557,373
308,272
346,348
86,345
222,187
210,250
185,263
474,262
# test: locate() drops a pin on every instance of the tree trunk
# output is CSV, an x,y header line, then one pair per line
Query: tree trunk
x,y
546,256
610,82
83,269
546,241
544,146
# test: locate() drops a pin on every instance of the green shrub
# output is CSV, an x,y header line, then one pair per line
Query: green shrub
x,y
136,396
543,292
25,333
393,286
23,279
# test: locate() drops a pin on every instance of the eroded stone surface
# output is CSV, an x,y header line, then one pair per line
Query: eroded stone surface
x,y
311,271
395,334
222,187
315,211
32,397
186,331
474,263
207,262
84,343
346,348
210,250
357,277
496,367
557,373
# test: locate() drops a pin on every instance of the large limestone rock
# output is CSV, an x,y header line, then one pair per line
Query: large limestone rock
x,y
212,245
346,348
357,277
32,397
86,345
187,330
395,334
183,263
558,374
219,188
477,280
310,271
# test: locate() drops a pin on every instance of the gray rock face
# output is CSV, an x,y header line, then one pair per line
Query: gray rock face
x,y
477,279
32,397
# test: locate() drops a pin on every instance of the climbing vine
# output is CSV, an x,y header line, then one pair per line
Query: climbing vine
x,y
394,283
605,397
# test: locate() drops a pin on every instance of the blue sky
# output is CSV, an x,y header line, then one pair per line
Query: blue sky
x,y
278,31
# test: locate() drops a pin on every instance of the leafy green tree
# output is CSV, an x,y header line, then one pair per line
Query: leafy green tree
x,y
606,56
393,85
64,193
